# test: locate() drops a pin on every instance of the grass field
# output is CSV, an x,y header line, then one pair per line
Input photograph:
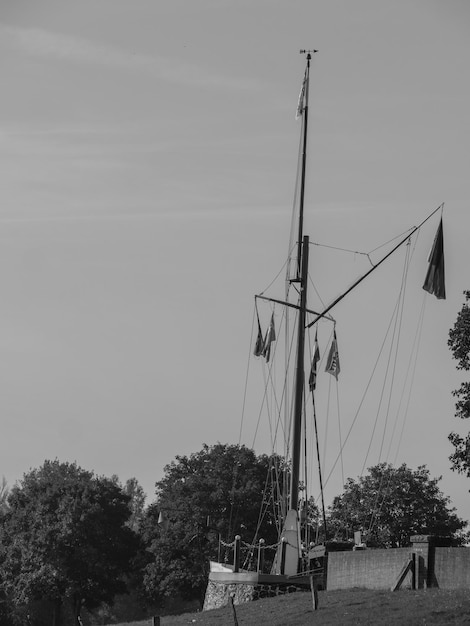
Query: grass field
x,y
337,608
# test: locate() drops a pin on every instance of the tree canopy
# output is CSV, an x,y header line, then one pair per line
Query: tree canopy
x,y
459,343
389,504
4,491
214,493
64,541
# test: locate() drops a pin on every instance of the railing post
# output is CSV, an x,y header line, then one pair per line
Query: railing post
x,y
283,554
261,556
236,554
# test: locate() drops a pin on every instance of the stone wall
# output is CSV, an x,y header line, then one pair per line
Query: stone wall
x,y
218,594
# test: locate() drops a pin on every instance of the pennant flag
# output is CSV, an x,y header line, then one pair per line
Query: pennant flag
x,y
300,103
332,363
163,521
269,338
259,345
435,277
312,379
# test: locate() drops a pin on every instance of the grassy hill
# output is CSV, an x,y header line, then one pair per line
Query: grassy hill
x,y
338,608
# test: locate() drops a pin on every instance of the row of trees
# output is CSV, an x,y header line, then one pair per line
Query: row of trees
x,y
71,541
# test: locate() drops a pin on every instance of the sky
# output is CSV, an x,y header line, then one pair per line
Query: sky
x,y
148,155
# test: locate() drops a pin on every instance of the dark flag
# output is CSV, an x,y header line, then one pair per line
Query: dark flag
x,y
435,278
312,379
259,345
301,101
270,337
332,363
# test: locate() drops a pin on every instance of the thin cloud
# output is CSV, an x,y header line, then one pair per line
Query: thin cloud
x,y
42,43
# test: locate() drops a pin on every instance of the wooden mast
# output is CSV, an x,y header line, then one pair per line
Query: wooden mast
x,y
288,557
302,279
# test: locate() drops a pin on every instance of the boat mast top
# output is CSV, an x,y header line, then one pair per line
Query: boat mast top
x,y
303,110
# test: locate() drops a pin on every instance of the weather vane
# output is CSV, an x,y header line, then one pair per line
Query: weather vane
x,y
308,53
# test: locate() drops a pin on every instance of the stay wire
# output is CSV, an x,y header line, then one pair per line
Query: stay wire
x,y
415,352
397,346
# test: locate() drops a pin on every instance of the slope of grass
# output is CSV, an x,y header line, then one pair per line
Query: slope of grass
x,y
338,608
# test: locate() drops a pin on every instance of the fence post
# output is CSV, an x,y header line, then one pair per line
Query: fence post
x,y
261,555
156,620
236,554
314,590
234,613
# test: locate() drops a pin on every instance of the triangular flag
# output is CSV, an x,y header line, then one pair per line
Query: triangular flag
x,y
332,363
312,379
269,338
163,521
300,103
259,345
435,276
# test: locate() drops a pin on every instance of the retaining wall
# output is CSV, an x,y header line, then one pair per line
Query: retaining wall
x,y
452,568
373,569
436,566
218,593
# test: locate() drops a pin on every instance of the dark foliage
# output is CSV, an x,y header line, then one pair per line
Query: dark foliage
x,y
459,343
64,543
390,504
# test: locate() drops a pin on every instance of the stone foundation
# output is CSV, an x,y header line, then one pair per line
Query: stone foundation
x,y
218,594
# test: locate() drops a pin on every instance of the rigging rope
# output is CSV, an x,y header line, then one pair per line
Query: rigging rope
x,y
394,319
400,324
242,418
411,365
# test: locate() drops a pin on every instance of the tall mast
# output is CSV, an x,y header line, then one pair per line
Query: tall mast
x,y
302,279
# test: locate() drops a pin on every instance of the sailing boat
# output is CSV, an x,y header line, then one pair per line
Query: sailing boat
x,y
299,560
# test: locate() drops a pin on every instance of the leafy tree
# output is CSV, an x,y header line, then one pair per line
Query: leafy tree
x,y
64,542
390,504
215,493
4,491
134,603
137,498
459,343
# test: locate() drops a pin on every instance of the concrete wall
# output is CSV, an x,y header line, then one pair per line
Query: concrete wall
x,y
372,569
443,567
452,568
